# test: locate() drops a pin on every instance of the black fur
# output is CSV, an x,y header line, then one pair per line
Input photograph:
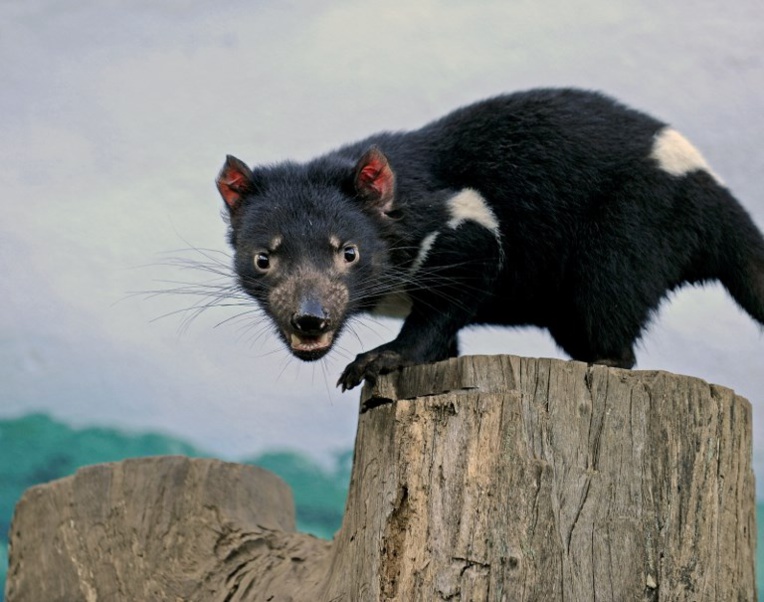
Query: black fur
x,y
593,231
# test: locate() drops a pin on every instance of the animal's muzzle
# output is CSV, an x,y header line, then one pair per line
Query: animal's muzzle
x,y
313,330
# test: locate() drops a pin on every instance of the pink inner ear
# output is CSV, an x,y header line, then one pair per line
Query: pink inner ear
x,y
229,189
230,197
233,181
371,175
376,177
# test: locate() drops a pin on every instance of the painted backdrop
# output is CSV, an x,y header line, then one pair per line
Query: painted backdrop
x,y
117,115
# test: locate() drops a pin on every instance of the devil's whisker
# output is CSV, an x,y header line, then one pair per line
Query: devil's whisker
x,y
287,363
239,316
351,327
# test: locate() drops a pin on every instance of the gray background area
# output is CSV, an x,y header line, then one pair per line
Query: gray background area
x,y
116,116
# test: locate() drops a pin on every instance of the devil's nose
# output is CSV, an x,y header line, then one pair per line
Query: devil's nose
x,y
311,318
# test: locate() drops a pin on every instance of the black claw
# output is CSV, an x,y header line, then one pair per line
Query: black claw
x,y
345,381
367,366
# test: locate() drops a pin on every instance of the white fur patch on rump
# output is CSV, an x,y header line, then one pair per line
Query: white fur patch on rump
x,y
675,155
469,205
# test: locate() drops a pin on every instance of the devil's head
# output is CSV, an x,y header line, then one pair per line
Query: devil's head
x,y
309,243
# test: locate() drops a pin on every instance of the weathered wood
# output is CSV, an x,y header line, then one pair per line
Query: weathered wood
x,y
481,478
502,478
164,529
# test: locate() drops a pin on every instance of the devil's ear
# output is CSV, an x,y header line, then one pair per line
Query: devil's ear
x,y
375,180
234,181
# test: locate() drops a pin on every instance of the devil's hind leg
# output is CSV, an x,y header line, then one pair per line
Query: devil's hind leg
x,y
596,339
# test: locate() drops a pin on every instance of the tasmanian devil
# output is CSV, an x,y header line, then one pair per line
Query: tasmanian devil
x,y
558,208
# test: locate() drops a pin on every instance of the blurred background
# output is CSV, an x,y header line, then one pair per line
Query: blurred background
x,y
116,117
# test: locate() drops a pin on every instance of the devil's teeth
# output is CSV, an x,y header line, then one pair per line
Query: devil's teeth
x,y
310,343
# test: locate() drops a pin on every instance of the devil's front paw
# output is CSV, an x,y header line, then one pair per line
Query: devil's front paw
x,y
369,366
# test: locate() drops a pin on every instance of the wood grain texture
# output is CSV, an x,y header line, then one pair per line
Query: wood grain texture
x,y
157,529
480,478
504,478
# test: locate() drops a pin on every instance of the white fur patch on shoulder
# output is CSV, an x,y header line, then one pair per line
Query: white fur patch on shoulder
x,y
469,205
424,250
675,155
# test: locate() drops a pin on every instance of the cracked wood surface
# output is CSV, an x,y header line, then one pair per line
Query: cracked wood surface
x,y
505,478
480,478
158,529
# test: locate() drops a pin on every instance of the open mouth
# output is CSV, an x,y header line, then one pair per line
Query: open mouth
x,y
310,348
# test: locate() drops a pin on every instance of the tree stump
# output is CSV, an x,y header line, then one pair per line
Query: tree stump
x,y
479,478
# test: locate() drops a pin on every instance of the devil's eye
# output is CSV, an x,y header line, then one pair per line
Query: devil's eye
x,y
262,261
350,253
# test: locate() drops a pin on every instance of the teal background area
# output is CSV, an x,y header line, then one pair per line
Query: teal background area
x,y
36,449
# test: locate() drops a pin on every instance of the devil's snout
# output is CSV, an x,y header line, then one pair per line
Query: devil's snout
x,y
309,311
311,318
